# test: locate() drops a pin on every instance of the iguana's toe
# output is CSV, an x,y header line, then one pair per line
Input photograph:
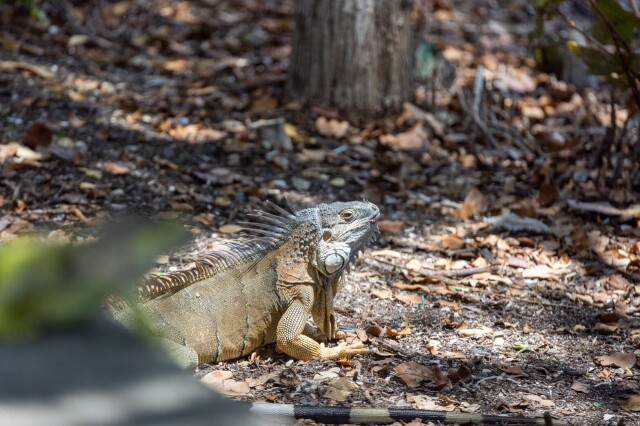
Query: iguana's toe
x,y
342,350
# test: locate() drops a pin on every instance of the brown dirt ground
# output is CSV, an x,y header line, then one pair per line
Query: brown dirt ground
x,y
152,112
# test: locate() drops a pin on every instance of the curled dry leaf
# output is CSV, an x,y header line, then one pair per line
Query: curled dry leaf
x,y
475,332
391,226
39,134
539,402
452,242
411,140
606,328
375,330
332,127
220,381
461,373
409,298
116,169
382,294
515,370
544,272
413,375
617,282
618,359
579,386
425,402
474,203
340,389
331,373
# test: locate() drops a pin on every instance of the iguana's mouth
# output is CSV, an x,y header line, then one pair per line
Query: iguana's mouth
x,y
374,219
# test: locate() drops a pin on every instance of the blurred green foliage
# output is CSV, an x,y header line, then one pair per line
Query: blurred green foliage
x,y
611,49
54,286
33,5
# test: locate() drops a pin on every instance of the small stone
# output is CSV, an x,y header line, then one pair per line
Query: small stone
x,y
300,184
279,183
338,182
222,202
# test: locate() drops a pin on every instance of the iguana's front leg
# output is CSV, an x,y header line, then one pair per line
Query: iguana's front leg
x,y
291,339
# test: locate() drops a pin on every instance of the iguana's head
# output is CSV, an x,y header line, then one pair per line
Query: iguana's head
x,y
346,228
328,235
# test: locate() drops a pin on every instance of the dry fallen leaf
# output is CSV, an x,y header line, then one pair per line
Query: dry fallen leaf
x,y
515,370
452,242
461,373
382,294
331,373
617,282
580,387
539,402
332,127
475,332
407,141
544,272
375,330
39,134
413,375
632,404
618,359
220,381
425,402
339,389
548,194
474,203
116,169
409,298
229,228
391,226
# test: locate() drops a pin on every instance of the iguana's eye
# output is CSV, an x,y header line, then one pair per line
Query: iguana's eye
x,y
346,215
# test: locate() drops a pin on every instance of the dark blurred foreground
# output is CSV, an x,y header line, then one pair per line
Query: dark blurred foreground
x,y
63,362
99,374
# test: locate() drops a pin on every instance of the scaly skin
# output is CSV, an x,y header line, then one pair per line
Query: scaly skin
x,y
262,291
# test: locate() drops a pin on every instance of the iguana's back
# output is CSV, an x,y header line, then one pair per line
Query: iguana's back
x,y
224,316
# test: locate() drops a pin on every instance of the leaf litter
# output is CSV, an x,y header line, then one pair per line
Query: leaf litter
x,y
477,233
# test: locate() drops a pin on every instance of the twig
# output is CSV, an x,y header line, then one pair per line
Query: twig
x,y
421,271
482,126
452,273
469,271
635,8
621,45
455,283
478,85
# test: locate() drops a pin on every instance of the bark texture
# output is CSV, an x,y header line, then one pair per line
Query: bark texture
x,y
356,55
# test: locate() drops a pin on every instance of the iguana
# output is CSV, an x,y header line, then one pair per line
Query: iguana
x,y
261,290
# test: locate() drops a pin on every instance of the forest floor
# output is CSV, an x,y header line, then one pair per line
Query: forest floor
x,y
500,283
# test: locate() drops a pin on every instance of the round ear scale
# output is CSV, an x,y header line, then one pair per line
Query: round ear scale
x,y
333,262
326,235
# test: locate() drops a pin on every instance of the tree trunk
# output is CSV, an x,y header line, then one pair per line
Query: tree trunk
x,y
356,55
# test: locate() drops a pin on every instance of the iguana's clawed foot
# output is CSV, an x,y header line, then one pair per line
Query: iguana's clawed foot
x,y
343,349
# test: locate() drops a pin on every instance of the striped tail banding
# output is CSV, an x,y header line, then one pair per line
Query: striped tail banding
x,y
372,415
